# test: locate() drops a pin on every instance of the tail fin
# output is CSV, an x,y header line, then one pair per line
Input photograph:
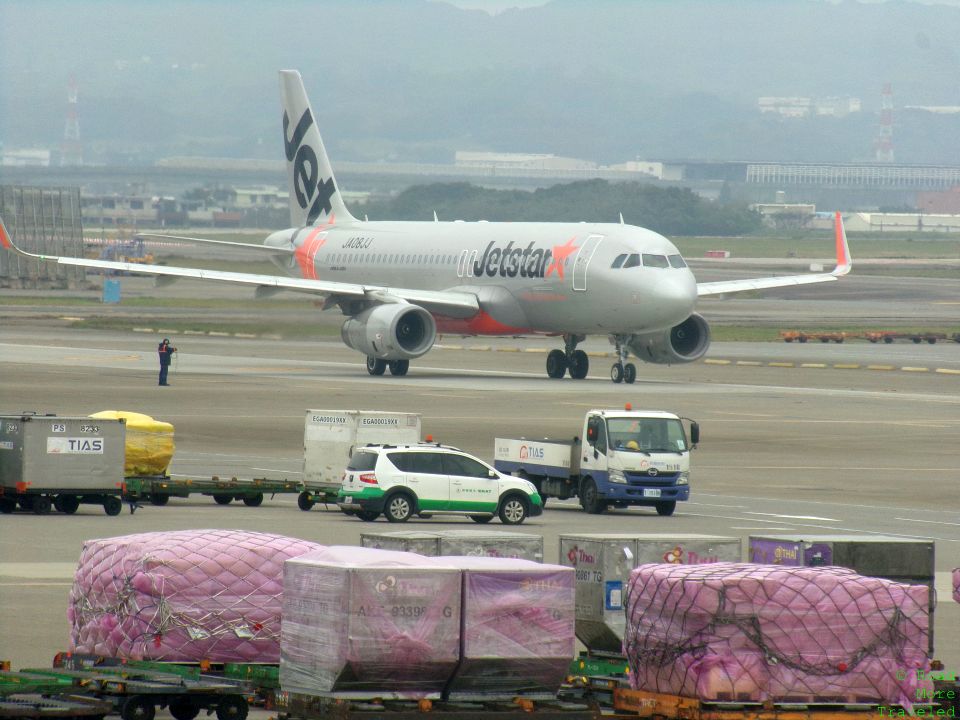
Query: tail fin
x,y
314,195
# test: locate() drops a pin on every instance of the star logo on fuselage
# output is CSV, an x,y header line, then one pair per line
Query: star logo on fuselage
x,y
560,255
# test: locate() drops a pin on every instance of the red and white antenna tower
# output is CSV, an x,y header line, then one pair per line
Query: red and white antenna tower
x,y
885,140
71,152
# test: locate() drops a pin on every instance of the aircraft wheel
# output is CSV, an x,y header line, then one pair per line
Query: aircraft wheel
x,y
629,373
399,367
579,364
375,366
616,373
556,364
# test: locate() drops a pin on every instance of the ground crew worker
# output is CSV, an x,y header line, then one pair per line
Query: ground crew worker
x,y
166,352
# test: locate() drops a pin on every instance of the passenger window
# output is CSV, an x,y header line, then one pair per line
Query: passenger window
x,y
632,261
401,461
464,466
655,261
618,262
422,462
677,261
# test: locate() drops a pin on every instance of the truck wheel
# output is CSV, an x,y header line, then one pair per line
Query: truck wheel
x,y
137,708
590,498
482,519
222,499
304,502
254,500
159,499
7,505
67,504
182,708
513,510
666,508
113,506
367,515
399,508
232,707
42,505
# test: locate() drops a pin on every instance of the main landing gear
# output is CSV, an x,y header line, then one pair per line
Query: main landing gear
x,y
376,366
621,371
572,360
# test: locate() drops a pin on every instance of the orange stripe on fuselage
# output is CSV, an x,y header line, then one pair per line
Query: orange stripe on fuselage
x,y
479,324
4,239
307,252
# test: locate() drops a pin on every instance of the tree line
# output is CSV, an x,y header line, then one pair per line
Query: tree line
x,y
669,211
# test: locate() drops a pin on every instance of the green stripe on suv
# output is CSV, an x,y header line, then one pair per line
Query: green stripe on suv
x,y
367,493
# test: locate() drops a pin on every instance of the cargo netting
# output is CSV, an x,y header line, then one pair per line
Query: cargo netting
x,y
182,596
744,632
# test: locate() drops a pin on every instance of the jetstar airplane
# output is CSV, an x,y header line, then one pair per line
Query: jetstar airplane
x,y
401,283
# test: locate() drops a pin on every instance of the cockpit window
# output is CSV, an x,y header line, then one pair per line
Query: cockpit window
x,y
633,260
677,261
655,261
618,261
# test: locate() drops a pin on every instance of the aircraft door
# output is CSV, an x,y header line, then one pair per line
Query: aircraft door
x,y
587,250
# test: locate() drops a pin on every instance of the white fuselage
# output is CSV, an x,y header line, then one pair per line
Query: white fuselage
x,y
574,278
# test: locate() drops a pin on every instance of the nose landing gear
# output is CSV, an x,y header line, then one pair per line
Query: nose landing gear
x,y
621,371
572,360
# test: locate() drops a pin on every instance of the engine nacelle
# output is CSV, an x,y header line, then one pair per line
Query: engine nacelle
x,y
395,331
682,343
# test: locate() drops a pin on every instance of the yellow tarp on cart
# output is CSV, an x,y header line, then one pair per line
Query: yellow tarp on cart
x,y
149,448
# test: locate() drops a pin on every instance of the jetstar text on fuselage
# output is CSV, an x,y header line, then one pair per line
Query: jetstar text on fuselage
x,y
511,261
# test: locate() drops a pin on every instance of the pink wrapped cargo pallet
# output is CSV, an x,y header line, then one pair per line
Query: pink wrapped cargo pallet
x,y
747,632
956,585
187,596
363,622
518,627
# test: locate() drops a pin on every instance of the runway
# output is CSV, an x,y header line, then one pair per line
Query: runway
x,y
824,450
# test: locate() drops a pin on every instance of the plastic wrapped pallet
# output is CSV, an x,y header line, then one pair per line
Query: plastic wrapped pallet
x,y
182,596
481,543
747,632
149,446
956,585
518,627
363,622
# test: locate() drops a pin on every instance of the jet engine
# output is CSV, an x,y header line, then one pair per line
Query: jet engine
x,y
682,343
394,331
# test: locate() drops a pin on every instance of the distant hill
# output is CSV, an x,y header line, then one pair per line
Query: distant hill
x,y
606,80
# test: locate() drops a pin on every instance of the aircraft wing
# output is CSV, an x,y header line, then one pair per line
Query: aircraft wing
x,y
446,302
844,265
253,247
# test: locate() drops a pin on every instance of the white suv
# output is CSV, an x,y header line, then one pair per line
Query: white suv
x,y
404,480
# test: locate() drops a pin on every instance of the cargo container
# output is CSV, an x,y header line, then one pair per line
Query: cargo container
x,y
476,543
50,461
603,562
330,437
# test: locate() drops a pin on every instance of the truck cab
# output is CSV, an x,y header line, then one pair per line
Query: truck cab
x,y
634,458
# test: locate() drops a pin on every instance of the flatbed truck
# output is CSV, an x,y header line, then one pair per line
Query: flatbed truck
x,y
626,458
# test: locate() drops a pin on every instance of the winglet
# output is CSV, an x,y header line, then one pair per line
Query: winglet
x,y
844,261
4,237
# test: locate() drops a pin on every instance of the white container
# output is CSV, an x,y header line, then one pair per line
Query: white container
x,y
331,436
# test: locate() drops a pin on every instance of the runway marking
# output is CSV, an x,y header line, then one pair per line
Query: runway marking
x,y
512,349
736,507
711,361
793,517
886,508
930,522
101,357
948,371
915,369
846,366
881,367
780,364
833,528
38,570
269,368
813,365
279,470
750,363
761,527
